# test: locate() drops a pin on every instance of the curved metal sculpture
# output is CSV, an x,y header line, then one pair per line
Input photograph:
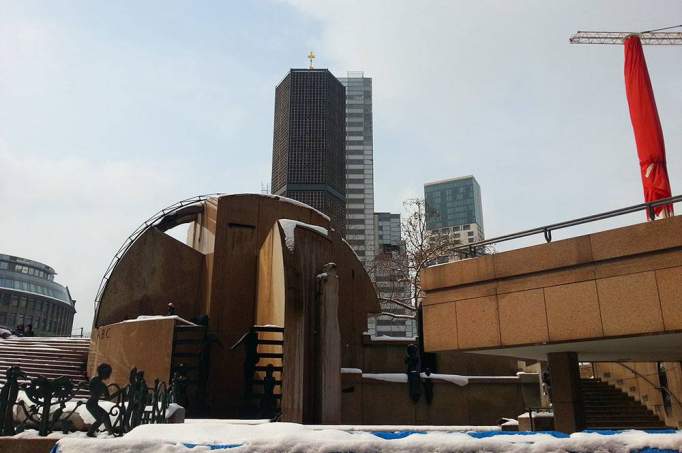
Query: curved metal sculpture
x,y
155,220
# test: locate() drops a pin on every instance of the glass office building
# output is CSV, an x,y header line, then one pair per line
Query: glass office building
x,y
454,208
308,151
29,295
359,165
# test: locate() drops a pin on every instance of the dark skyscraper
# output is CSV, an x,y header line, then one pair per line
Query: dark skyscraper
x,y
308,150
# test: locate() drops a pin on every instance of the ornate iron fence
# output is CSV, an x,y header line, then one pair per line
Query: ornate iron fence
x,y
49,405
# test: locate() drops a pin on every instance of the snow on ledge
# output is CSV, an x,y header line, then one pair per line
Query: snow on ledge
x,y
289,227
297,203
380,338
451,378
402,377
157,317
351,371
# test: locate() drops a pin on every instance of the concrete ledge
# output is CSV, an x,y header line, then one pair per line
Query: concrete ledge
x,y
616,283
33,445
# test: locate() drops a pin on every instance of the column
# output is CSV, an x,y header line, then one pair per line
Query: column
x,y
565,391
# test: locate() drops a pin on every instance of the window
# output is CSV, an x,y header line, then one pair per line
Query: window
x,y
4,265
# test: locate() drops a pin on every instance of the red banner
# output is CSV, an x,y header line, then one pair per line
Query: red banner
x,y
646,125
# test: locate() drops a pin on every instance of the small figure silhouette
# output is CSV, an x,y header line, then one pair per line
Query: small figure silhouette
x,y
99,390
428,386
413,379
268,404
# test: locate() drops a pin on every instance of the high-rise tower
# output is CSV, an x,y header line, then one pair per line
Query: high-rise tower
x,y
359,165
308,151
454,208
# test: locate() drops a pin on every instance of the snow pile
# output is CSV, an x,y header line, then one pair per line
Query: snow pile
x,y
81,417
290,437
289,227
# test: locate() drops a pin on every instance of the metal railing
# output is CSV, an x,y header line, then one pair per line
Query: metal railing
x,y
660,388
49,405
547,230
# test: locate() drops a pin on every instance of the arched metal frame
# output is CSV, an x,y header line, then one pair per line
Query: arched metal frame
x,y
139,231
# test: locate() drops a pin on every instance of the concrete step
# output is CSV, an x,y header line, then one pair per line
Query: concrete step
x,y
47,362
629,424
607,407
621,410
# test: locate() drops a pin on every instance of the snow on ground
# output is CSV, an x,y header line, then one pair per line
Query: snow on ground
x,y
33,433
206,435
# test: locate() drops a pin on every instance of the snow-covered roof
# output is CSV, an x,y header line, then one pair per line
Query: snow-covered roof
x,y
289,227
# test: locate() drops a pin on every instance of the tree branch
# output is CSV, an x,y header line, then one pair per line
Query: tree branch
x,y
393,315
398,302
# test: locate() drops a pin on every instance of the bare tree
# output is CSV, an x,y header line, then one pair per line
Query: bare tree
x,y
420,249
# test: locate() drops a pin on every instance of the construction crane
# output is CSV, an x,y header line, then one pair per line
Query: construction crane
x,y
657,37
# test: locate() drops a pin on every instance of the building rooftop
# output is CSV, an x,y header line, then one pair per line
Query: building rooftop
x,y
441,181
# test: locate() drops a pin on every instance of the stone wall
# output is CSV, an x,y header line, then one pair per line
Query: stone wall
x,y
481,402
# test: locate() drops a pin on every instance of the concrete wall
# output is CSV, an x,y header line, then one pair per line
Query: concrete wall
x,y
218,275
621,282
156,270
389,357
127,345
372,402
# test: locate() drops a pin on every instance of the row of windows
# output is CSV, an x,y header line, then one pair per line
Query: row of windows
x,y
31,287
46,317
28,270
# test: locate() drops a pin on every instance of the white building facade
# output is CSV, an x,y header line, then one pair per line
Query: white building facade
x,y
359,165
388,273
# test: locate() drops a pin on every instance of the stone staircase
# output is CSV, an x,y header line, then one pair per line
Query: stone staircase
x,y
51,357
607,407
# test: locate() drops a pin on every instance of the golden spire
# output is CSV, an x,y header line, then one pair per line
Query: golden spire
x,y
311,57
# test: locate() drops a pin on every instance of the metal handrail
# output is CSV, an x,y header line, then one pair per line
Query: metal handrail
x,y
657,387
139,231
546,230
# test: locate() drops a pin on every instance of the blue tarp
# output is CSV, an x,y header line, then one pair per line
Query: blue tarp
x,y
214,447
390,435
485,434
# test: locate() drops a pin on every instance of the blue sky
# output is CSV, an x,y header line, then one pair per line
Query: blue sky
x,y
111,110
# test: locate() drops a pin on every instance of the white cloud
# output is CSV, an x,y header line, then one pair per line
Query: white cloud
x,y
73,213
493,88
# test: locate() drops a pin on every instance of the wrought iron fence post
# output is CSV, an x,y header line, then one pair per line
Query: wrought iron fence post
x,y
8,398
